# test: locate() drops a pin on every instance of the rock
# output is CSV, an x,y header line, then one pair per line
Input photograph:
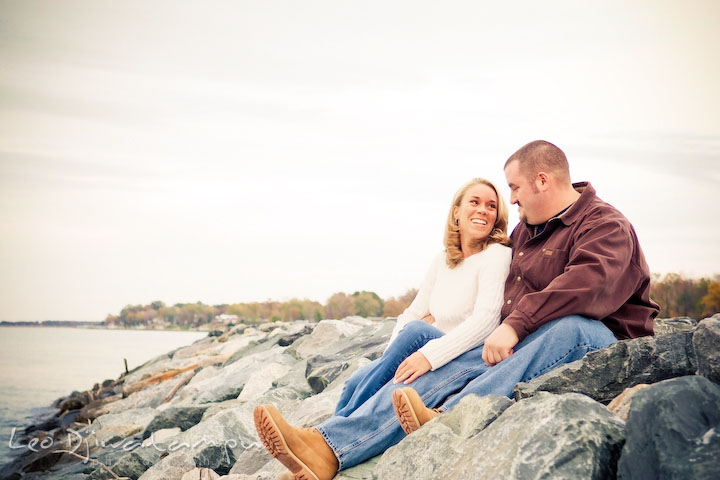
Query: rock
x,y
620,405
161,437
262,380
132,464
229,382
664,326
706,341
565,436
216,442
326,333
604,374
200,474
320,371
286,340
171,467
448,434
215,333
182,417
251,460
673,431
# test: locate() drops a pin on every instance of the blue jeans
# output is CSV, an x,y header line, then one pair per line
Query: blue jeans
x,y
369,379
372,427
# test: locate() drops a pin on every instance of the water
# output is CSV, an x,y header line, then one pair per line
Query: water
x,y
39,365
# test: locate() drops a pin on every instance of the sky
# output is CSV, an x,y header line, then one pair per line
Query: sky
x,y
236,151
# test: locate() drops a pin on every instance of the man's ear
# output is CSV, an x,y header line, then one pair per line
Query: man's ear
x,y
542,181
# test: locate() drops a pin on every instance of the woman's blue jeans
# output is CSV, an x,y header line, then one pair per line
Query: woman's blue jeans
x,y
371,428
372,377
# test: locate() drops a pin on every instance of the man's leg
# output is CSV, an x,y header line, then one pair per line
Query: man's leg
x,y
373,427
364,383
560,341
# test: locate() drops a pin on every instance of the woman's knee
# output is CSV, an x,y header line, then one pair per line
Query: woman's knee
x,y
418,328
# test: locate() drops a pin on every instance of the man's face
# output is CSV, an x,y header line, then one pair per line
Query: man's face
x,y
525,194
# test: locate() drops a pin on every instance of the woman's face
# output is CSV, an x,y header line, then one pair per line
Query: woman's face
x,y
477,213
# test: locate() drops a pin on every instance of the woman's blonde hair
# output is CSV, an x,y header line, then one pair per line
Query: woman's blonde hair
x,y
453,250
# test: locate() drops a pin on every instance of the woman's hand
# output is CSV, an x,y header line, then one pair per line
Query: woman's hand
x,y
428,319
412,368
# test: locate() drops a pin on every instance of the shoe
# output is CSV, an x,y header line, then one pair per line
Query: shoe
x,y
410,409
285,476
303,451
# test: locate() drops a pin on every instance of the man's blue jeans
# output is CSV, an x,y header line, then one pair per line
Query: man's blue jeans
x,y
371,428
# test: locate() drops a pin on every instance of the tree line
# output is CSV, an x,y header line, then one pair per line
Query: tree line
x,y
680,296
677,295
186,315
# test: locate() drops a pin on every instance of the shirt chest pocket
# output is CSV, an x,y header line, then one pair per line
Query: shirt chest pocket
x,y
543,266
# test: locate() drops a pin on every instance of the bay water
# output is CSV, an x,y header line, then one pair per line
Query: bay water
x,y
41,364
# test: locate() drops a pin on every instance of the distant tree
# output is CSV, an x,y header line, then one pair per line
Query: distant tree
x,y
157,305
395,306
711,301
367,304
339,305
679,296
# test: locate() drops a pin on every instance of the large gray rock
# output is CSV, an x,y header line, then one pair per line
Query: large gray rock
x,y
706,341
325,333
448,435
604,374
565,436
673,431
663,326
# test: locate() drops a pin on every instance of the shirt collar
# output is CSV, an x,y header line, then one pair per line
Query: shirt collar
x,y
587,194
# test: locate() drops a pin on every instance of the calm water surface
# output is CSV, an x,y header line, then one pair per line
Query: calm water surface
x,y
39,365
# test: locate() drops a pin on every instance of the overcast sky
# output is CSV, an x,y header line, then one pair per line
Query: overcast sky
x,y
238,151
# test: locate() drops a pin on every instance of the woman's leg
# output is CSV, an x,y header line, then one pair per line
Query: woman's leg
x,y
369,379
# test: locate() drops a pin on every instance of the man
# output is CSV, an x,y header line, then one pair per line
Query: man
x,y
576,260
578,281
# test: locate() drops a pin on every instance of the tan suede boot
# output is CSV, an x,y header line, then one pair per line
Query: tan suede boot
x,y
303,451
285,476
410,409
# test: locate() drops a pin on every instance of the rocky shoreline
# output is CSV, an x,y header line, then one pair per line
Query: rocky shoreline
x,y
642,408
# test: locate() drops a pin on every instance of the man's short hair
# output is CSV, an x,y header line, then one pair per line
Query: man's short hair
x,y
539,156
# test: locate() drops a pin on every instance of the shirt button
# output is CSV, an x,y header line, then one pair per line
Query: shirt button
x,y
520,254
509,301
519,278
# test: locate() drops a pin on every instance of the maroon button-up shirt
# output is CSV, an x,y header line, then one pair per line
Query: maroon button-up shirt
x,y
587,261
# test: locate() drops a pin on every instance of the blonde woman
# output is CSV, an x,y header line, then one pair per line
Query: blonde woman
x,y
456,308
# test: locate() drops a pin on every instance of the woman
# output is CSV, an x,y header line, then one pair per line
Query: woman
x,y
461,296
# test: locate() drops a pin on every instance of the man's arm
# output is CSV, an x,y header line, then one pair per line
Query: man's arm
x,y
598,279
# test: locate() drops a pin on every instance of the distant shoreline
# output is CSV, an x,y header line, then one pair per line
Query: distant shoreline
x,y
96,326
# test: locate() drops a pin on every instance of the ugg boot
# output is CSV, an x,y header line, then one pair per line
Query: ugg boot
x,y
303,451
410,409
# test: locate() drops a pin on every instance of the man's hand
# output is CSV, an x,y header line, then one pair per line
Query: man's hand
x,y
412,368
428,319
499,345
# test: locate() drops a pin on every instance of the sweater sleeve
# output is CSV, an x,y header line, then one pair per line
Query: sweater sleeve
x,y
485,316
421,305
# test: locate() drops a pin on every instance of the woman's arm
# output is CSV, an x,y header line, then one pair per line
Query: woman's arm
x,y
485,317
420,306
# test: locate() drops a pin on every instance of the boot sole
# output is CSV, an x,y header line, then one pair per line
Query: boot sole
x,y
276,445
404,412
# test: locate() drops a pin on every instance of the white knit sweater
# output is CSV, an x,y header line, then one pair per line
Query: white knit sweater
x,y
465,301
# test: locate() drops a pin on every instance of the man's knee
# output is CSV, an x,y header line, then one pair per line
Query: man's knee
x,y
586,330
